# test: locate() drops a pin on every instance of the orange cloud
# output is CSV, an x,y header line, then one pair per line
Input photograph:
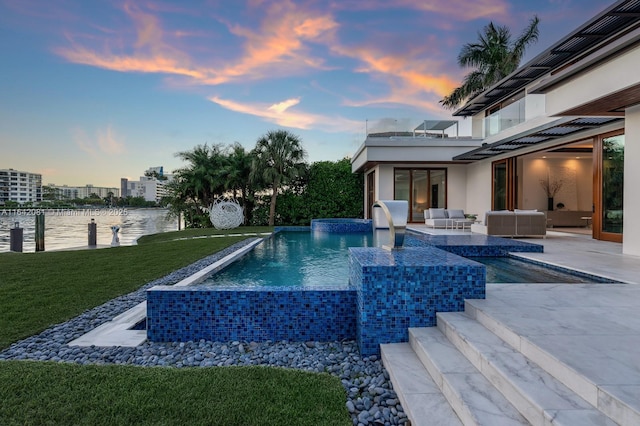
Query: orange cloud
x,y
463,10
456,10
280,43
411,78
281,115
277,47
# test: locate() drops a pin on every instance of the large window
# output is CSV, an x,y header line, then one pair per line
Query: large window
x,y
504,185
422,188
612,185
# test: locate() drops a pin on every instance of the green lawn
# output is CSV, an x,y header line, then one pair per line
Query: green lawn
x,y
191,233
41,289
64,394
38,290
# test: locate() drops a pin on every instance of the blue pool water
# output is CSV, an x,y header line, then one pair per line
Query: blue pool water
x,y
294,259
312,259
511,270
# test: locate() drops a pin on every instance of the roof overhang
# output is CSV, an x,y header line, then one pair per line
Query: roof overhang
x,y
410,150
610,24
546,133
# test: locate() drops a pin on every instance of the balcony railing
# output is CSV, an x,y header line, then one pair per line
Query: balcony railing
x,y
509,116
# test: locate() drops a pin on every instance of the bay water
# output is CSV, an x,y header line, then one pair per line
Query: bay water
x,y
68,228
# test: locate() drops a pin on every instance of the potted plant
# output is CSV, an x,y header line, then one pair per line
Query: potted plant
x,y
551,188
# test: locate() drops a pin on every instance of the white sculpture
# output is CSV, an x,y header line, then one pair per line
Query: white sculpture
x,y
115,241
226,213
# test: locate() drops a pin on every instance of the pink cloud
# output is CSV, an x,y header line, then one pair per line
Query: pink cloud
x,y
282,115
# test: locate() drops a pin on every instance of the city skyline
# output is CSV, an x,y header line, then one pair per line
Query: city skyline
x,y
97,91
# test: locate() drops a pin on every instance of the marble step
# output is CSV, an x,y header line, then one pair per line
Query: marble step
x,y
619,402
536,394
421,399
472,396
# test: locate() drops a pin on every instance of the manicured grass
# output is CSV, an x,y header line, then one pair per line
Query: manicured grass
x,y
41,289
50,393
38,290
191,233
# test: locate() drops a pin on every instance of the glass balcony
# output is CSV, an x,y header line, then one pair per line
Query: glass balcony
x,y
509,116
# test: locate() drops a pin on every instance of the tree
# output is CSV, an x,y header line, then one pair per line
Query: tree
x,y
334,190
202,179
494,56
237,173
155,174
279,158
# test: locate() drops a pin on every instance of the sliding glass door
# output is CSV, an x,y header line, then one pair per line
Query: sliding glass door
x,y
422,188
608,187
503,190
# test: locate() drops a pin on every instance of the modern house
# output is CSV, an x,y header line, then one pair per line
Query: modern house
x,y
566,126
20,187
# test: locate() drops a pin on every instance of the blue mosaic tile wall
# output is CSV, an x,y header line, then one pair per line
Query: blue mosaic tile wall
x,y
252,314
341,225
473,245
405,288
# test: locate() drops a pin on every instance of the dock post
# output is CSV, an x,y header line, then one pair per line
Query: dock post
x,y
40,232
15,238
93,233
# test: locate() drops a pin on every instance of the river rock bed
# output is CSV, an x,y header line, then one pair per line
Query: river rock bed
x,y
370,396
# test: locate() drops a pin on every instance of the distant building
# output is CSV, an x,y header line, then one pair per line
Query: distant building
x,y
151,186
66,192
21,187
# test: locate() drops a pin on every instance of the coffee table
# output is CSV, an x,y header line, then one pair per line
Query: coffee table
x,y
465,223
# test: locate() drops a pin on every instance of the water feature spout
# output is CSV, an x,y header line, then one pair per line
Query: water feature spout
x,y
396,212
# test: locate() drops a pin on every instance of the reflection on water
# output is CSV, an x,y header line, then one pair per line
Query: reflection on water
x,y
307,259
69,228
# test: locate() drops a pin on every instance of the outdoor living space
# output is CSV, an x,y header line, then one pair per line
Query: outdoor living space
x,y
531,353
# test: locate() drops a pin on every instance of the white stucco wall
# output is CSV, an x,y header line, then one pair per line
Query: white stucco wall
x,y
610,77
478,178
477,126
457,187
576,192
631,225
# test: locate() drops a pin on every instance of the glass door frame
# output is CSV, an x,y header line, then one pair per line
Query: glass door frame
x,y
510,184
411,201
598,191
371,193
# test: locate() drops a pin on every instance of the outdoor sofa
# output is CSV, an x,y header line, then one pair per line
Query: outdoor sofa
x,y
568,218
518,223
445,218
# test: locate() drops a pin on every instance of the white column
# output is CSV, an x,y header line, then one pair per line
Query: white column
x,y
631,224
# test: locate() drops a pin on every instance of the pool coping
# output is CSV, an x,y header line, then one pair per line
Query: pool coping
x,y
118,331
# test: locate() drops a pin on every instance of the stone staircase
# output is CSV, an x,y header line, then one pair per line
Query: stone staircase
x,y
462,372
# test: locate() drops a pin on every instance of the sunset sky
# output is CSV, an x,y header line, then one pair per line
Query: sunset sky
x,y
95,90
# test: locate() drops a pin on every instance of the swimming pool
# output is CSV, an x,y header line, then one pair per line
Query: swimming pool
x,y
313,259
304,259
511,270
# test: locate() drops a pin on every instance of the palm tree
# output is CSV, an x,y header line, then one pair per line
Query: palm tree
x,y
199,183
494,56
278,159
237,173
204,173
